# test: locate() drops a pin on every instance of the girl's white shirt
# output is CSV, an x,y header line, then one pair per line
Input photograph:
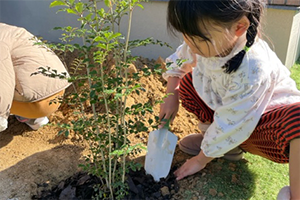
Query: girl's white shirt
x,y
260,84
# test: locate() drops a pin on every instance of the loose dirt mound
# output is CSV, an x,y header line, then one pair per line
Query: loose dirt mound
x,y
32,161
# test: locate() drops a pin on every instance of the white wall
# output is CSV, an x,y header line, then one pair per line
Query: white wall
x,y
281,25
35,16
39,19
151,22
277,28
294,47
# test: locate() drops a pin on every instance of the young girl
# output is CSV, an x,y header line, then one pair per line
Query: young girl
x,y
235,84
25,95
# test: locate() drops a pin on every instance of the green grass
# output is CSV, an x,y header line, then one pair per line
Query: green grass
x,y
270,177
295,73
255,179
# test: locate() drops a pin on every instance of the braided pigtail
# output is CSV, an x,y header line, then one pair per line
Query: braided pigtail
x,y
254,17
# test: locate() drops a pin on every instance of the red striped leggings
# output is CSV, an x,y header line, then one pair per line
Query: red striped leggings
x,y
272,135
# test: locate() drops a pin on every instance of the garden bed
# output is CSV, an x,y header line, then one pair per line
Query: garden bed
x,y
34,161
37,163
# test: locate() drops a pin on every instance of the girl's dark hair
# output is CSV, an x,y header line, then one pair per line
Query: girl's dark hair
x,y
186,16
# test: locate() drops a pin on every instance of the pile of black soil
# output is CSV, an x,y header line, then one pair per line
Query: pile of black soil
x,y
141,186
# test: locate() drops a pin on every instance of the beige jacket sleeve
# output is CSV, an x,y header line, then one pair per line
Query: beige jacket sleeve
x,y
7,84
20,57
27,57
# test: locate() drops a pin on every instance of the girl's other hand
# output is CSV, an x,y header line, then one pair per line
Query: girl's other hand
x,y
192,166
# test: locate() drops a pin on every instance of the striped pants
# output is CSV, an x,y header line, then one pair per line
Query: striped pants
x,y
272,135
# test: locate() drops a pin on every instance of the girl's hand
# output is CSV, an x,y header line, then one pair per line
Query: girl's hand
x,y
192,166
169,108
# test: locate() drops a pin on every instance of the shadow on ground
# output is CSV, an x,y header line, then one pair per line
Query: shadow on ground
x,y
39,171
221,179
14,128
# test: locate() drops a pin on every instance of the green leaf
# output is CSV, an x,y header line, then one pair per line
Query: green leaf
x,y
150,121
115,35
89,17
140,5
107,3
71,11
57,3
57,28
103,46
107,34
100,39
79,7
101,12
67,133
118,95
109,91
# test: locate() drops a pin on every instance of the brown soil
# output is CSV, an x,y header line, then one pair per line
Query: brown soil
x,y
32,161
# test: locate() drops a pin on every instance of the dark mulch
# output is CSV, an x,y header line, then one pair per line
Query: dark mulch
x,y
141,186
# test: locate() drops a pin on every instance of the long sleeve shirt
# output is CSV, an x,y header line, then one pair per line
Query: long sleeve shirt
x,y
260,84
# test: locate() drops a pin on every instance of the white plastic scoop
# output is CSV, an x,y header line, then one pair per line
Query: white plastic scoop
x,y
161,147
